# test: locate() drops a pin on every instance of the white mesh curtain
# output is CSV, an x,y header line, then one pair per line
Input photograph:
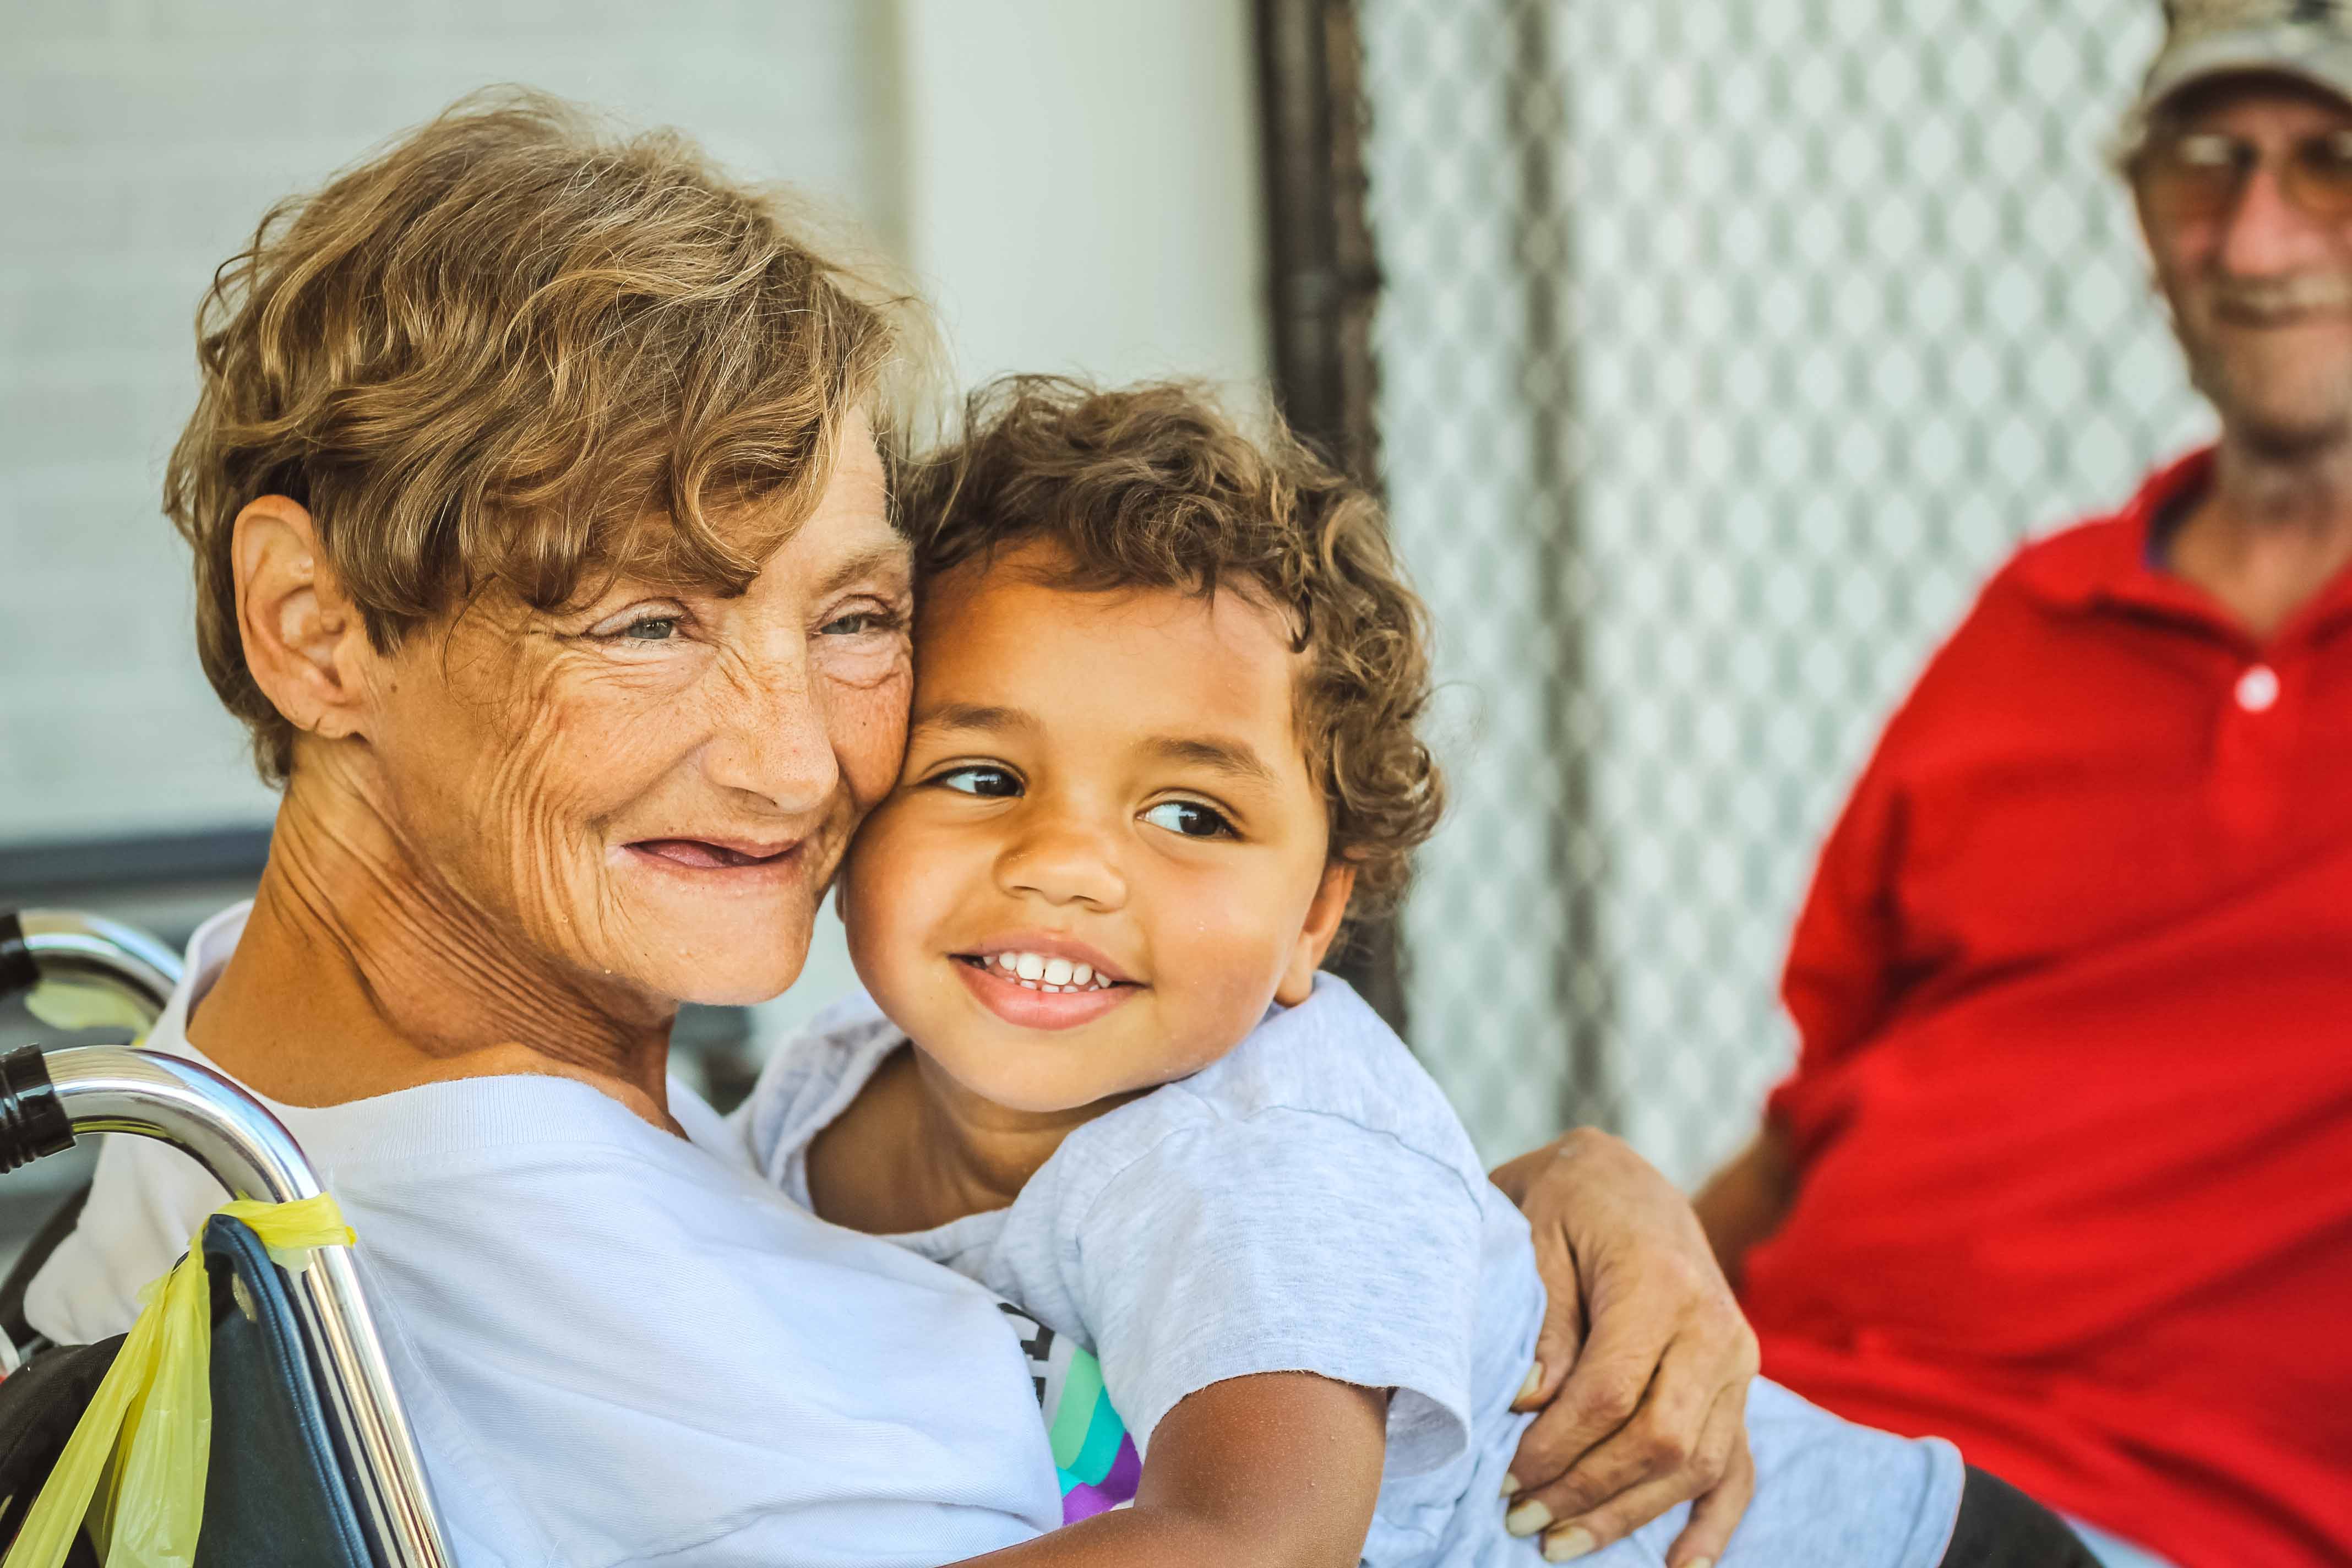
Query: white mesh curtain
x,y
1725,345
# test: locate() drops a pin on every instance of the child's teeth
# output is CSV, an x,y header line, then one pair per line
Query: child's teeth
x,y
1037,971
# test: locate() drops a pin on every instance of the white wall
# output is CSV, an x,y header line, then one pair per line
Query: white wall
x,y
1080,194
139,139
1078,180
1082,184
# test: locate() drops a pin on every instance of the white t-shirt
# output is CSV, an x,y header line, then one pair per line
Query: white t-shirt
x,y
1311,1203
618,1347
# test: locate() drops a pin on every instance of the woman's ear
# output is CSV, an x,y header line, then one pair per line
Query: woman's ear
x,y
1322,928
304,640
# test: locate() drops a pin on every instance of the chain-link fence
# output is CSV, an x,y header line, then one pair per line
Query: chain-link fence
x,y
1723,347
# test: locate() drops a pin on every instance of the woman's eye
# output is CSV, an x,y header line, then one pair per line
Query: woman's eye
x,y
991,783
1189,819
651,628
859,623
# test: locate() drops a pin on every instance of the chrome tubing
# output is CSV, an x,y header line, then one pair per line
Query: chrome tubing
x,y
60,945
113,1089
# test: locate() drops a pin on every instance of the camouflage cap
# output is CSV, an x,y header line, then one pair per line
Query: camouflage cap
x,y
2307,39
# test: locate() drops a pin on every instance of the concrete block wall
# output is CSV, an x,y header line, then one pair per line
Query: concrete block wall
x,y
140,140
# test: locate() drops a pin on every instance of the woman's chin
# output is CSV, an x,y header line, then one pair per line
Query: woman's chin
x,y
722,953
728,969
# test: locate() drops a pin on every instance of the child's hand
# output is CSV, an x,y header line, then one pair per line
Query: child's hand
x,y
1643,1364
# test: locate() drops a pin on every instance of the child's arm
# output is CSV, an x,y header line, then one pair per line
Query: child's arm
x,y
1277,1471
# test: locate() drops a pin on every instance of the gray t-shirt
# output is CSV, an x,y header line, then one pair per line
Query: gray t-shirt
x,y
1311,1203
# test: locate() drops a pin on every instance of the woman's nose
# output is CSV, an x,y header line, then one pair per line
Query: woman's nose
x,y
771,739
1062,860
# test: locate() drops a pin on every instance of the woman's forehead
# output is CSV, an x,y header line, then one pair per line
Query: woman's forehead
x,y
847,538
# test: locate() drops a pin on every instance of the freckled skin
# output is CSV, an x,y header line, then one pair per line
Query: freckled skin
x,y
542,748
459,881
1213,928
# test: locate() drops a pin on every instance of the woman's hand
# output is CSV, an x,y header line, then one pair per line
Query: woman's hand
x,y
1643,1364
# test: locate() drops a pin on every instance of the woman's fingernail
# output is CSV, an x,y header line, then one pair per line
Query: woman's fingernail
x,y
1700,1563
1511,1487
1571,1543
1527,1519
1534,1382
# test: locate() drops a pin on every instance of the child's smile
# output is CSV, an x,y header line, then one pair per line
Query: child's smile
x,y
1106,854
1044,982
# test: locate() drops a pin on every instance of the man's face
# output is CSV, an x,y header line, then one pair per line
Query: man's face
x,y
2258,282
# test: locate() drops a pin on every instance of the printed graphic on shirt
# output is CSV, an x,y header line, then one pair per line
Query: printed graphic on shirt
x,y
1095,1458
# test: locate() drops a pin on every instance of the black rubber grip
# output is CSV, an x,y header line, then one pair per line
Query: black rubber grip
x,y
32,1121
17,971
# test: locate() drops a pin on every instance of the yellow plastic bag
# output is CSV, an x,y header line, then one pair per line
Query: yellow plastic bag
x,y
134,1468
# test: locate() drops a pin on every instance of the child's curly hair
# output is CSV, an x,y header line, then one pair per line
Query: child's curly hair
x,y
1153,486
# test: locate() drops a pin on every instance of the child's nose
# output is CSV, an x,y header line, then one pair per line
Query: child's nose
x,y
1063,862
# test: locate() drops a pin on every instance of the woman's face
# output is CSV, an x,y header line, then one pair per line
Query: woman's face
x,y
654,791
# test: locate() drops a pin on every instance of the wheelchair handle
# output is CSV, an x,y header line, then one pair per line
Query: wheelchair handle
x,y
47,1099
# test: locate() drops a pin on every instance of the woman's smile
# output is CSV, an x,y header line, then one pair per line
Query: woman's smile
x,y
716,853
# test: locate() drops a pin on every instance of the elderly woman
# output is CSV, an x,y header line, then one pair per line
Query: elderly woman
x,y
540,534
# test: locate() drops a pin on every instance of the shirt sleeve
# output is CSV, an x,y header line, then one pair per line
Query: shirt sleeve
x,y
1283,1241
1851,959
1842,959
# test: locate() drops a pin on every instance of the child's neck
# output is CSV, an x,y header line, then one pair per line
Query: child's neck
x,y
916,1149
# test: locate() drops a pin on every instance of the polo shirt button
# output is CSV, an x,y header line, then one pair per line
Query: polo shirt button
x,y
2258,689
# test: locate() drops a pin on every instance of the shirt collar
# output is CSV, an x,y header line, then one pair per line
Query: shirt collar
x,y
2107,564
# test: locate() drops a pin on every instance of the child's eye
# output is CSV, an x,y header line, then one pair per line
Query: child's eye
x,y
1189,819
993,783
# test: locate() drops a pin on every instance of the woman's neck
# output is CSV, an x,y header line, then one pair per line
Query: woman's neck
x,y
361,972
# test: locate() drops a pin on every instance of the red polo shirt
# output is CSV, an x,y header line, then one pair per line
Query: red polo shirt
x,y
2074,1107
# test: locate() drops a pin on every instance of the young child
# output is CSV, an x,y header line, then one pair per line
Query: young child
x,y
1162,744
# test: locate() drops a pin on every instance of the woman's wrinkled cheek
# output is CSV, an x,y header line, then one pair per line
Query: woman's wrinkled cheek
x,y
532,809
553,751
868,729
872,730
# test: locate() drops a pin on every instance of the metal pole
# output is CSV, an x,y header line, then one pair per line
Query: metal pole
x,y
49,1099
112,1088
1322,286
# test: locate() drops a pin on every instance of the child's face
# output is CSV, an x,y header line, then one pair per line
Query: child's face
x,y
1110,785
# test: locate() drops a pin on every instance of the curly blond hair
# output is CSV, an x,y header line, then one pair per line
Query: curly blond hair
x,y
515,349
1154,487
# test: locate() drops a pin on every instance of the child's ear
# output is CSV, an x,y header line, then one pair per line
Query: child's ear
x,y
1315,939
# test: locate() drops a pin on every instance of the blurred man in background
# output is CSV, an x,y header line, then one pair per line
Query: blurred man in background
x,y
2065,1171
